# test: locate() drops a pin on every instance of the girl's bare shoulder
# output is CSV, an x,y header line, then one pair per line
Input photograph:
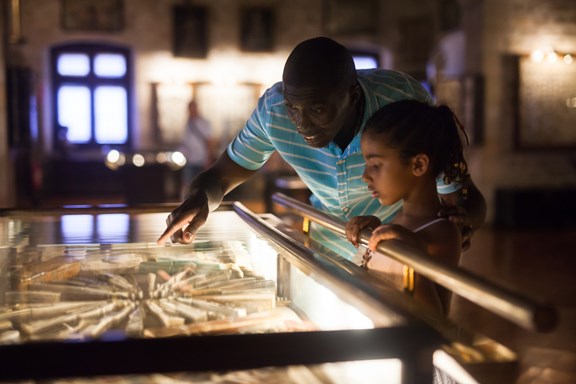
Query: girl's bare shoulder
x,y
444,241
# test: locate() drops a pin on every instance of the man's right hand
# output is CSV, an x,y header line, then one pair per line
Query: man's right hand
x,y
184,221
205,194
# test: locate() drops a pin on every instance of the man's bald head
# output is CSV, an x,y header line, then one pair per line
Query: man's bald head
x,y
320,63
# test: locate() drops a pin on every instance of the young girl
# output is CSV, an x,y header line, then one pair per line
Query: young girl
x,y
407,145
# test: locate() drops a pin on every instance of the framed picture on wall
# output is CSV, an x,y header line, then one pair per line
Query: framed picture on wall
x,y
190,31
349,17
227,108
257,29
546,104
93,15
465,96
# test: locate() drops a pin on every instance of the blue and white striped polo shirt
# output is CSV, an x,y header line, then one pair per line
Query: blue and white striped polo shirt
x,y
333,175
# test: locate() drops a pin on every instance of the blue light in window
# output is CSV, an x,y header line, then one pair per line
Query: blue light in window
x,y
73,64
74,112
111,122
77,228
109,65
365,62
113,227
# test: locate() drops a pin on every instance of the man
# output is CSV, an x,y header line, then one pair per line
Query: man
x,y
313,118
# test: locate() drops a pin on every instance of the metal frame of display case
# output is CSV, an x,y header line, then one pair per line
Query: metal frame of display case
x,y
413,342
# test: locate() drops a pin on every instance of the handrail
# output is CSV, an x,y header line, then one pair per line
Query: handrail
x,y
333,271
503,302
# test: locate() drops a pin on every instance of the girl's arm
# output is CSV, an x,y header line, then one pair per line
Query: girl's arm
x,y
442,242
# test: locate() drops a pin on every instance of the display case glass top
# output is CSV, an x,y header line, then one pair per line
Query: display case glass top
x,y
95,281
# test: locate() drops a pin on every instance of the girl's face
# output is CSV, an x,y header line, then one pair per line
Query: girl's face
x,y
388,177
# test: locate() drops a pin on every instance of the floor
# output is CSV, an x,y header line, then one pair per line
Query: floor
x,y
538,264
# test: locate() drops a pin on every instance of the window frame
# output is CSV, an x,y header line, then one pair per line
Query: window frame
x,y
92,82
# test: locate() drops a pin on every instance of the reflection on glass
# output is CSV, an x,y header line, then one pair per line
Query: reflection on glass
x,y
109,65
111,115
264,257
324,308
365,372
73,64
112,227
77,228
446,363
74,112
387,371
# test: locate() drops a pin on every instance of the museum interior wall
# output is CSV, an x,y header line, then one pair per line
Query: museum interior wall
x,y
500,64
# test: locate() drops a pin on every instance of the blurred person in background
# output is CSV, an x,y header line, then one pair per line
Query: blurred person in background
x,y
197,145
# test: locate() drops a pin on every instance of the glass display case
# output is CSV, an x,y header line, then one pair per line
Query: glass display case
x,y
85,292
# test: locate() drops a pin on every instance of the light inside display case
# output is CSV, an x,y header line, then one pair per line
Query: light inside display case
x,y
92,287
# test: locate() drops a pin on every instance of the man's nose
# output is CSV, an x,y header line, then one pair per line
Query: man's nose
x,y
300,120
364,176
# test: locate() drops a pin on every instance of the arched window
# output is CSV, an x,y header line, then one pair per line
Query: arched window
x,y
91,93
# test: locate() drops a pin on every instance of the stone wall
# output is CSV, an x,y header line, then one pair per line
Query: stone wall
x,y
148,32
405,34
517,27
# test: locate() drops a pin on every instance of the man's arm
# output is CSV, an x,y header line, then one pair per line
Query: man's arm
x,y
218,180
205,193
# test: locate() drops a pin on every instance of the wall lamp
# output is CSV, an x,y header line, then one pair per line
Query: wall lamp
x,y
549,55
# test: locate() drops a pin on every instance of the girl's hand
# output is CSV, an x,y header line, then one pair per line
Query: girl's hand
x,y
394,231
357,224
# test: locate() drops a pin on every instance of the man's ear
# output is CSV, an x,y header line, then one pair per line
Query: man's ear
x,y
420,164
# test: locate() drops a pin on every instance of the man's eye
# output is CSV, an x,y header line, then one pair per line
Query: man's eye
x,y
317,110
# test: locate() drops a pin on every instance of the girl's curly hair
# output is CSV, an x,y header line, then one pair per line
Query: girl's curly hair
x,y
415,127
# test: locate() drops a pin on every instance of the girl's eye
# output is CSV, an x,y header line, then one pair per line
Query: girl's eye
x,y
374,166
317,110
